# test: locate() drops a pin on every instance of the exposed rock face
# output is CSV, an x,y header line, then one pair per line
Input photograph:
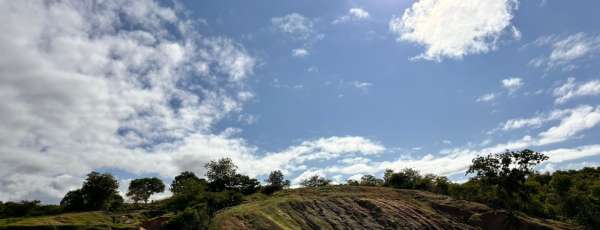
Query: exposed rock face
x,y
348,207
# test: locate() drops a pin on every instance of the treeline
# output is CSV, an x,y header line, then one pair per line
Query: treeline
x,y
506,180
194,201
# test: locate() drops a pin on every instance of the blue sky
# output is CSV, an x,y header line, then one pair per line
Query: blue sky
x,y
336,88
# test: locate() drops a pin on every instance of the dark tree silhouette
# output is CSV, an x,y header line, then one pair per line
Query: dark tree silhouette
x,y
141,189
73,201
98,188
186,181
507,173
315,181
370,180
99,192
276,179
221,174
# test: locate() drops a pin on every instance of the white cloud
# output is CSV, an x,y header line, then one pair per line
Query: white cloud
x,y
512,84
535,121
354,14
364,86
300,52
580,119
295,25
570,90
89,85
454,28
359,13
568,154
566,52
454,161
486,97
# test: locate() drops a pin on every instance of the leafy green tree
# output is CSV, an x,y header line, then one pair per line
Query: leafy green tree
x,y
73,201
186,181
315,181
387,174
192,218
246,185
425,182
442,185
115,202
352,182
99,192
370,180
141,189
406,179
98,188
277,180
507,173
221,174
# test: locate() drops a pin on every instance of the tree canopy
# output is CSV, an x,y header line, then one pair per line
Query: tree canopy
x,y
99,192
141,189
507,172
315,181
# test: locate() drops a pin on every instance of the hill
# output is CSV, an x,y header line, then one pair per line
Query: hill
x,y
80,220
330,207
354,207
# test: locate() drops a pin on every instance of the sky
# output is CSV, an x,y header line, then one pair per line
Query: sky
x,y
332,88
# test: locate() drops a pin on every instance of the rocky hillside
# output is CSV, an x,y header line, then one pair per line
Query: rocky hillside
x,y
353,207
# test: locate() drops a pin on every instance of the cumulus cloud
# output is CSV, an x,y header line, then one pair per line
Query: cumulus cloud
x,y
354,14
89,85
300,52
512,84
469,27
570,89
566,52
573,122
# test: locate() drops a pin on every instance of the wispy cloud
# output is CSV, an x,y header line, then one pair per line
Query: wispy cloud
x,y
570,89
486,97
566,52
296,25
300,52
354,14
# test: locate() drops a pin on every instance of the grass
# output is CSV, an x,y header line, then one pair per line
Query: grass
x,y
80,220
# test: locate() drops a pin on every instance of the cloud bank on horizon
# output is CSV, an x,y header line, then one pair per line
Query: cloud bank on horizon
x,y
155,88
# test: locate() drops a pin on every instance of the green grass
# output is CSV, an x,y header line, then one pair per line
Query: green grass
x,y
81,220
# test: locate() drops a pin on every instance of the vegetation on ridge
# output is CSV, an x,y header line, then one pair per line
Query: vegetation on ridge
x,y
506,180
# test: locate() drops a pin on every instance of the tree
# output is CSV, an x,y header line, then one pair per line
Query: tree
x,y
97,190
370,180
143,188
352,182
407,178
73,201
507,173
442,185
275,182
246,185
186,181
221,174
387,175
315,181
276,179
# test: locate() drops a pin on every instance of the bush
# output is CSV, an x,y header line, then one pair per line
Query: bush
x,y
315,181
190,219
